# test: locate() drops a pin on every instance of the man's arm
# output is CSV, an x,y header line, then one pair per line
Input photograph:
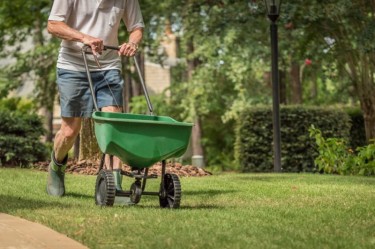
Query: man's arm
x,y
135,37
63,31
130,48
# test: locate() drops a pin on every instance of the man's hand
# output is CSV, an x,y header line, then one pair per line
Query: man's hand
x,y
96,44
131,47
128,49
63,31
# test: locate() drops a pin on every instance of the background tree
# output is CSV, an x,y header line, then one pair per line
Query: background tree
x,y
23,38
231,46
346,30
326,57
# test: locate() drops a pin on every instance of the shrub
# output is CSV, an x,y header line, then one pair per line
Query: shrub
x,y
17,104
365,160
254,136
20,138
335,156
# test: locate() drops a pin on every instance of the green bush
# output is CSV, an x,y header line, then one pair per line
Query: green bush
x,y
20,105
254,136
335,156
20,138
218,143
365,160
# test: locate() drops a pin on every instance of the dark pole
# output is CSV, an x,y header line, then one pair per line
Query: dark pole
x,y
275,97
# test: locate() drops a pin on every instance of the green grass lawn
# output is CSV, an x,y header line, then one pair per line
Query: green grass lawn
x,y
223,211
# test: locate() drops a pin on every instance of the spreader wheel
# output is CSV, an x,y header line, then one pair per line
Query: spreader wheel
x,y
171,195
105,190
136,192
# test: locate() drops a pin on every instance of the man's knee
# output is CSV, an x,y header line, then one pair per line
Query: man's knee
x,y
112,109
70,127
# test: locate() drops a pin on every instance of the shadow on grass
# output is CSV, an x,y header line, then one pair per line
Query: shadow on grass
x,y
210,192
79,196
183,207
11,203
312,178
263,177
201,207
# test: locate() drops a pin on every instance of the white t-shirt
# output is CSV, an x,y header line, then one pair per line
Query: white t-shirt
x,y
97,18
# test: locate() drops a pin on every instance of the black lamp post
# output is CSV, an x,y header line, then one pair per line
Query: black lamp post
x,y
273,12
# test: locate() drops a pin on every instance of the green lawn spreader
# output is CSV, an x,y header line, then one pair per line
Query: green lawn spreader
x,y
139,141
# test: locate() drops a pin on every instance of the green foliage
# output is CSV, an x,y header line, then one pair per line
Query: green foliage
x,y
335,156
37,63
17,104
161,105
230,54
254,136
230,41
218,140
365,160
20,134
6,83
18,19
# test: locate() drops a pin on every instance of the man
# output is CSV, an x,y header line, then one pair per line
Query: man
x,y
94,23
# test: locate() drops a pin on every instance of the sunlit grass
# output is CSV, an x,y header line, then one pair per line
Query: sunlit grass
x,y
223,211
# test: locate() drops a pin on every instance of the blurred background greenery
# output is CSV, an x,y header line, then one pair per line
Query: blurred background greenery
x,y
221,65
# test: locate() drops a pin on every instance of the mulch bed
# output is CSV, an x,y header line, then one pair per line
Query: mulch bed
x,y
88,167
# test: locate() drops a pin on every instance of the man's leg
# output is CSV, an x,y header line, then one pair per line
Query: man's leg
x,y
65,137
64,141
115,163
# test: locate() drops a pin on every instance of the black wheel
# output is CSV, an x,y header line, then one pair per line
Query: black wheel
x,y
136,192
171,195
105,190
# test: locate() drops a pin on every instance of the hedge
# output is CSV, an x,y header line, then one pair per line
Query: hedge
x,y
254,136
20,138
357,130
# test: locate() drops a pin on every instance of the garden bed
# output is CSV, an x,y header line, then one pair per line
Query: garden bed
x,y
89,167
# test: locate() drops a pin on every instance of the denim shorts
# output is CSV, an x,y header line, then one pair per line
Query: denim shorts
x,y
75,95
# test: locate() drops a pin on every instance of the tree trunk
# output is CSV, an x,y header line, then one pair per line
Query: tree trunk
x,y
296,97
89,149
196,138
361,71
38,39
367,98
76,147
283,95
197,149
49,123
369,117
267,79
314,88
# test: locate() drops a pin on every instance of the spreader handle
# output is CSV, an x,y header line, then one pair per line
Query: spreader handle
x,y
84,51
111,47
150,108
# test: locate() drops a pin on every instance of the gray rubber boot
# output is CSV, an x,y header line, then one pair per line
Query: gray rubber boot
x,y
118,179
56,175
